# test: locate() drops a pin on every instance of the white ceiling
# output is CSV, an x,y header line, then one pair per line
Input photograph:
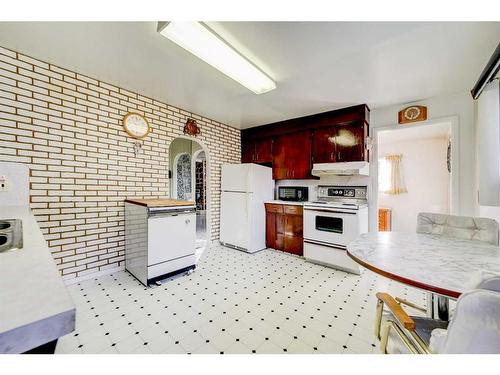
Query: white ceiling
x,y
318,66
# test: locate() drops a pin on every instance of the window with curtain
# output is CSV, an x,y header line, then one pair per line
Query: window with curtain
x,y
390,175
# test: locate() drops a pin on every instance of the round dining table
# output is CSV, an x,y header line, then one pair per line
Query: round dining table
x,y
437,264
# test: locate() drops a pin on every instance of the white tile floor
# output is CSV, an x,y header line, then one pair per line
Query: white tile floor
x,y
268,302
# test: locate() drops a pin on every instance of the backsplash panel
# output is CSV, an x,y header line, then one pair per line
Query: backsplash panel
x,y
312,185
67,128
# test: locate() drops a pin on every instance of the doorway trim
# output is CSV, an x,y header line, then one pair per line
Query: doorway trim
x,y
208,184
193,170
455,208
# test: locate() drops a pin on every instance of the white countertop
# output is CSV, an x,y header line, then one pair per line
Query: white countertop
x,y
35,307
286,202
439,264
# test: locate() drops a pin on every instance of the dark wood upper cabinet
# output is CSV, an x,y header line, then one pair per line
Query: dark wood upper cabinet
x,y
292,146
323,145
340,143
264,151
350,142
257,151
292,156
280,167
247,152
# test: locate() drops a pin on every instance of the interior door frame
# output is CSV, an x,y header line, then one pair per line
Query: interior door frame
x,y
455,207
208,179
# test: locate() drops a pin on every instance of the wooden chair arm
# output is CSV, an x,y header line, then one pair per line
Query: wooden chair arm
x,y
397,310
402,301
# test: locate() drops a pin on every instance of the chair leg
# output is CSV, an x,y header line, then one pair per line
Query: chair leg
x,y
443,308
430,305
438,307
385,338
378,318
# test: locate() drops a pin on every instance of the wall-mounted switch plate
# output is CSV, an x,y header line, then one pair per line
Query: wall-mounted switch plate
x,y
4,183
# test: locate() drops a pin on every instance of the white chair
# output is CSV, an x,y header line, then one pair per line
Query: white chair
x,y
474,327
460,227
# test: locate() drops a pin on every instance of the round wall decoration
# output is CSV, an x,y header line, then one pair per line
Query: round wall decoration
x,y
412,114
136,125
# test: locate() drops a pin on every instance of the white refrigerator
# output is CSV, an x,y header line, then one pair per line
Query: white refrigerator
x,y
245,188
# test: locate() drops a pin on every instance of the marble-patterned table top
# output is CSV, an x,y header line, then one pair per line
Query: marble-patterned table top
x,y
442,265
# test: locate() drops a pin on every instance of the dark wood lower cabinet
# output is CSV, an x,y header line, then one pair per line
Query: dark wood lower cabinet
x,y
284,228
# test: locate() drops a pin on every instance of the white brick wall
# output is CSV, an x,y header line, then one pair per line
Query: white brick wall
x,y
68,128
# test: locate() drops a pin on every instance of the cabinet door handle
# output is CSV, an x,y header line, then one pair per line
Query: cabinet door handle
x,y
331,156
338,156
293,173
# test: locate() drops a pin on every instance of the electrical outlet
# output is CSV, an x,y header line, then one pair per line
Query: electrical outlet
x,y
4,183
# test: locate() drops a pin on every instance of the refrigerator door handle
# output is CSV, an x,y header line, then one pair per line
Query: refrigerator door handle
x,y
247,207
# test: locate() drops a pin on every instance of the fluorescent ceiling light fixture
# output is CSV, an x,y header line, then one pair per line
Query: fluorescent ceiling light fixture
x,y
202,42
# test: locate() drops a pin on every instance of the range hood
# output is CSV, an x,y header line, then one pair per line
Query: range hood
x,y
352,168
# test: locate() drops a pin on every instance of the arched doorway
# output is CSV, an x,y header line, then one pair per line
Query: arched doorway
x,y
190,172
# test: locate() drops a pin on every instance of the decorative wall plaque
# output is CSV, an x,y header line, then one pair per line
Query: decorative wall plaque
x,y
191,127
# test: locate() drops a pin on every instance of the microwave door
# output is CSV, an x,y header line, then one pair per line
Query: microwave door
x,y
295,193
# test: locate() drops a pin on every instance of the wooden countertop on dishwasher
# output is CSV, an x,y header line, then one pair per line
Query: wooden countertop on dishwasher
x,y
159,202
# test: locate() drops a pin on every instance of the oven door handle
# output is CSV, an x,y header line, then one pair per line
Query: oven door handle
x,y
330,211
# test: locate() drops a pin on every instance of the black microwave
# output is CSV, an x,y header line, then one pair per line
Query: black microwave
x,y
293,193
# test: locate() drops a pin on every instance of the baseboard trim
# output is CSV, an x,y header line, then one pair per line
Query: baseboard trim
x,y
122,268
93,275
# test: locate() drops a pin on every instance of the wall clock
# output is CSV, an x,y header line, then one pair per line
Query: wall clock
x,y
136,125
412,114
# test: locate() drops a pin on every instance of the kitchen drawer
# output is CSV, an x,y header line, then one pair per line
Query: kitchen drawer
x,y
293,209
330,256
276,208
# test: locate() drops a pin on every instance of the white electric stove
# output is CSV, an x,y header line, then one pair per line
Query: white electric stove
x,y
338,216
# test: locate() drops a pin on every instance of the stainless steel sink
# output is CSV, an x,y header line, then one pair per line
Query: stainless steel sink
x,y
11,235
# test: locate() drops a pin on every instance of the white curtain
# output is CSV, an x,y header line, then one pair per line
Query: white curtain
x,y
395,181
